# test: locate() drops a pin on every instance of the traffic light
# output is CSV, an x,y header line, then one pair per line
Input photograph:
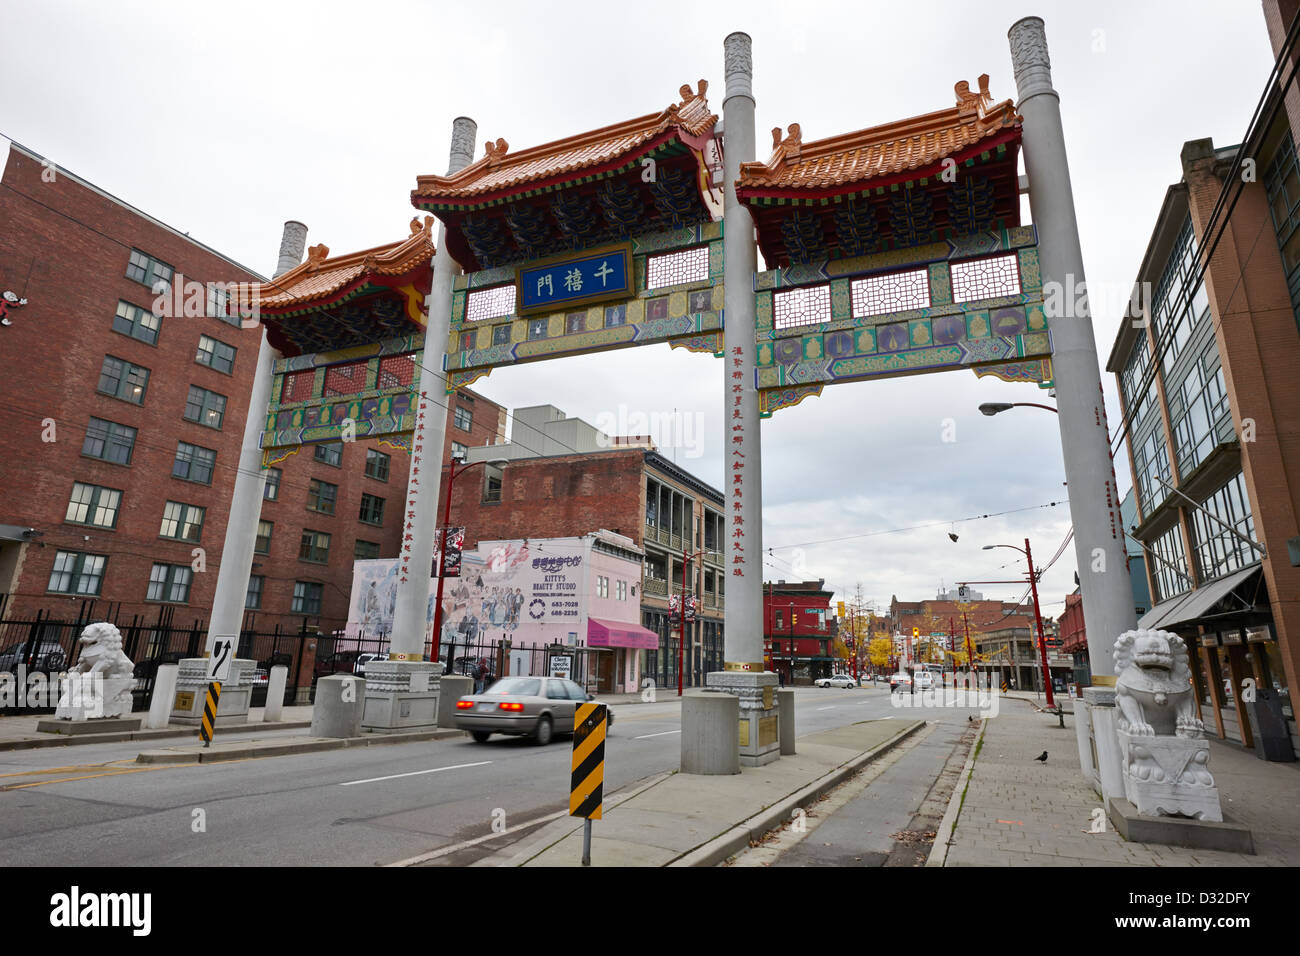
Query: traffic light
x,y
794,619
916,632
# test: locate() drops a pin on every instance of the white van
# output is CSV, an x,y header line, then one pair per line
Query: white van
x,y
924,679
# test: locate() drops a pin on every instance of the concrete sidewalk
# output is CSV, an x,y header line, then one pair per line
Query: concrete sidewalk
x,y
680,819
1011,810
20,733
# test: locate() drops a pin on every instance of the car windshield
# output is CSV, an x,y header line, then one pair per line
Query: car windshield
x,y
518,686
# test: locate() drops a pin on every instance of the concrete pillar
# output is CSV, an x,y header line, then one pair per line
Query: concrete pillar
x,y
743,672
410,616
164,693
785,721
339,702
275,693
709,722
250,480
453,688
1108,607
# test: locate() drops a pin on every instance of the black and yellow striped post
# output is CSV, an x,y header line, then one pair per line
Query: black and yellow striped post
x,y
210,712
587,783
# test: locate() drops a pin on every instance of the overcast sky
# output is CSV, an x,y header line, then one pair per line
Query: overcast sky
x,y
225,119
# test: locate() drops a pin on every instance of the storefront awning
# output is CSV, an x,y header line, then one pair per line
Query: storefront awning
x,y
1189,608
614,634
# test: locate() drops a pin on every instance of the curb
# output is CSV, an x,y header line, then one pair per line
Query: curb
x,y
939,852
252,749
738,837
71,740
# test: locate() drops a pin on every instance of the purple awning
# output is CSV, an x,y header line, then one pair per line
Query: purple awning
x,y
613,634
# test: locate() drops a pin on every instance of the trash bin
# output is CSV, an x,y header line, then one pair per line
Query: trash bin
x,y
1268,725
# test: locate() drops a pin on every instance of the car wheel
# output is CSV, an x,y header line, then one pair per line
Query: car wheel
x,y
542,735
480,736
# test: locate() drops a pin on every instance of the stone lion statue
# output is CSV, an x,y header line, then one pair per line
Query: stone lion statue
x,y
1153,686
100,684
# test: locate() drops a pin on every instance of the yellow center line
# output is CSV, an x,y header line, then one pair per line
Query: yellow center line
x,y
89,776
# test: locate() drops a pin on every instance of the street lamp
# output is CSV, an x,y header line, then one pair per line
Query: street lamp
x,y
452,472
1038,617
992,408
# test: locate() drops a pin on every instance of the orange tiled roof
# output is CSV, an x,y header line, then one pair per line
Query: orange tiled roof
x,y
500,170
321,276
887,150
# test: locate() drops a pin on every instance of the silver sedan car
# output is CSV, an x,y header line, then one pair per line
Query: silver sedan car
x,y
538,707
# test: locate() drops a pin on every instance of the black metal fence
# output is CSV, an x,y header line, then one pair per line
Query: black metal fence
x,y
48,645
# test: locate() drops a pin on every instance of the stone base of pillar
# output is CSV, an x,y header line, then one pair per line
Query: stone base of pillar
x,y
452,688
401,696
302,698
1105,740
192,689
760,721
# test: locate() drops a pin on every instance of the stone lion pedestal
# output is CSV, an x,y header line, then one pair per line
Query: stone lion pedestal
x,y
1169,792
95,696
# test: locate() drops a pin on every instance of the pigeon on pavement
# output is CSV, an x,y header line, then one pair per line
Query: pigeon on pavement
x,y
1042,757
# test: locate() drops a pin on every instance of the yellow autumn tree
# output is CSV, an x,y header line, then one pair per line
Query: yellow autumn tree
x,y
879,651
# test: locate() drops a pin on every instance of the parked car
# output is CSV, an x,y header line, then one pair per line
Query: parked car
x,y
537,707
900,681
363,659
839,680
46,656
340,662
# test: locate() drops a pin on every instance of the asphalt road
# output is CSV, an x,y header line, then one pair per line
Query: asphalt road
x,y
93,806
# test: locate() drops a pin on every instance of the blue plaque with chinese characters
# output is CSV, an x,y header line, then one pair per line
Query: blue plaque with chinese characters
x,y
599,275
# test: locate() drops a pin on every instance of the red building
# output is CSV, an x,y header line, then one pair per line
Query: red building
x,y
798,630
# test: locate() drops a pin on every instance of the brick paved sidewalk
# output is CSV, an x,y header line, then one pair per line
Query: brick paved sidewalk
x,y
1019,812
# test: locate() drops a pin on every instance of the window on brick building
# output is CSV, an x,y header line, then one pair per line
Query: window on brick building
x,y
109,441
170,583
315,547
145,269
93,505
459,452
365,550
321,496
206,408
253,599
271,490
181,521
307,597
194,463
136,322
121,379
215,355
492,481
464,418
377,464
372,509
330,453
77,573
262,545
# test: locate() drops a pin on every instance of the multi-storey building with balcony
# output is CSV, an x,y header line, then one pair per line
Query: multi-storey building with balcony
x,y
562,477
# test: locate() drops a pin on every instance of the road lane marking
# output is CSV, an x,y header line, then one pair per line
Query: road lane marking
x,y
415,773
89,776
831,707
661,734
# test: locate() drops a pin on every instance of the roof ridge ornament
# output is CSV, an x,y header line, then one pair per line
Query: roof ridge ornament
x,y
977,103
425,228
687,95
316,255
496,151
792,143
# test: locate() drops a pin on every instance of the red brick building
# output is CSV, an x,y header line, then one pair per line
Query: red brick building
x,y
121,436
798,630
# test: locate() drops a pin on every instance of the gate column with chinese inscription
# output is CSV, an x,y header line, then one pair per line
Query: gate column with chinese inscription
x,y
744,673
402,692
1085,442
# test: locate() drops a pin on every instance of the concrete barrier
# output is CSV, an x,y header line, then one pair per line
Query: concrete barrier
x,y
164,692
710,733
454,687
275,692
785,720
339,701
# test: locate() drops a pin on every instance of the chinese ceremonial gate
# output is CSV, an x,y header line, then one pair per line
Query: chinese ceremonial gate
x,y
896,250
